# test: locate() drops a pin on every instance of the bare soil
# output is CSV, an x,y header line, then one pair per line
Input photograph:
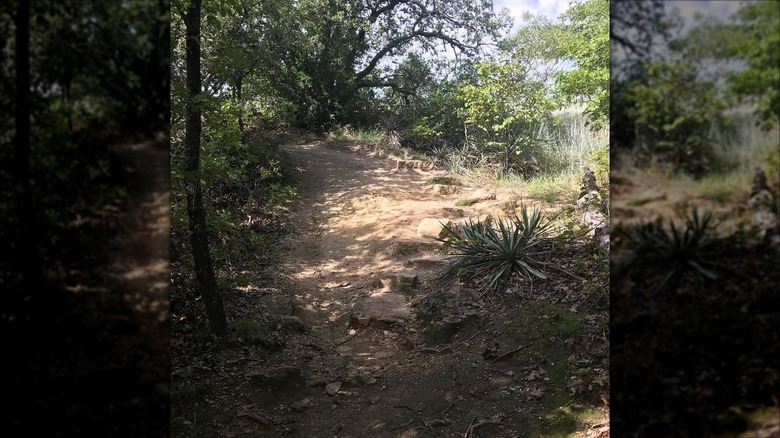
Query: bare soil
x,y
302,365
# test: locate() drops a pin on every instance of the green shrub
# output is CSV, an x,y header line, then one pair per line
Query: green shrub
x,y
675,114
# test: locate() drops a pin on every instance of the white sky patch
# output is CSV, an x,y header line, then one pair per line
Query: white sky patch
x,y
549,8
688,9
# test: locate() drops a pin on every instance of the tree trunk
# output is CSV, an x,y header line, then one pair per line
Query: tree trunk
x,y
204,270
26,245
239,83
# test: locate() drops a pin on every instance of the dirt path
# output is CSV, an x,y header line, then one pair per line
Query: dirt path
x,y
343,375
357,218
140,270
139,273
347,336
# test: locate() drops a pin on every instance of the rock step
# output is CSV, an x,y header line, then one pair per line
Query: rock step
x,y
432,227
429,262
397,282
412,164
445,189
481,195
383,307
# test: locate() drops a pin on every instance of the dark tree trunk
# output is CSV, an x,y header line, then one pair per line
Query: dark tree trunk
x,y
204,270
239,83
26,245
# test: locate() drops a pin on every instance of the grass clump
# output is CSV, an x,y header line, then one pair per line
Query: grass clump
x,y
445,180
554,189
495,251
346,133
720,189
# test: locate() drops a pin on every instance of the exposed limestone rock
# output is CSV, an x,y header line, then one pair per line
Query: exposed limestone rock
x,y
429,262
278,304
589,180
397,282
444,189
590,191
382,307
402,165
595,219
431,228
595,214
358,376
759,182
765,221
447,307
291,323
333,388
481,195
763,202
300,405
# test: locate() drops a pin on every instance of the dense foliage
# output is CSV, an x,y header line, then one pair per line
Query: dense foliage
x,y
671,101
97,74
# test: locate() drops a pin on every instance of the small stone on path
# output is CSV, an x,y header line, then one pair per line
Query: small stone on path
x,y
332,388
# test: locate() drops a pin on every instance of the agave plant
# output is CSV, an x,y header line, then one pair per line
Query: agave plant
x,y
494,251
671,252
391,125
439,154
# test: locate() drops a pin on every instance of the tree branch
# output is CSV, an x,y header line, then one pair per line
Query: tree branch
x,y
401,40
381,54
375,14
626,43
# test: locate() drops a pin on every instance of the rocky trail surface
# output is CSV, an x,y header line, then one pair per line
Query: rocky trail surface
x,y
363,342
